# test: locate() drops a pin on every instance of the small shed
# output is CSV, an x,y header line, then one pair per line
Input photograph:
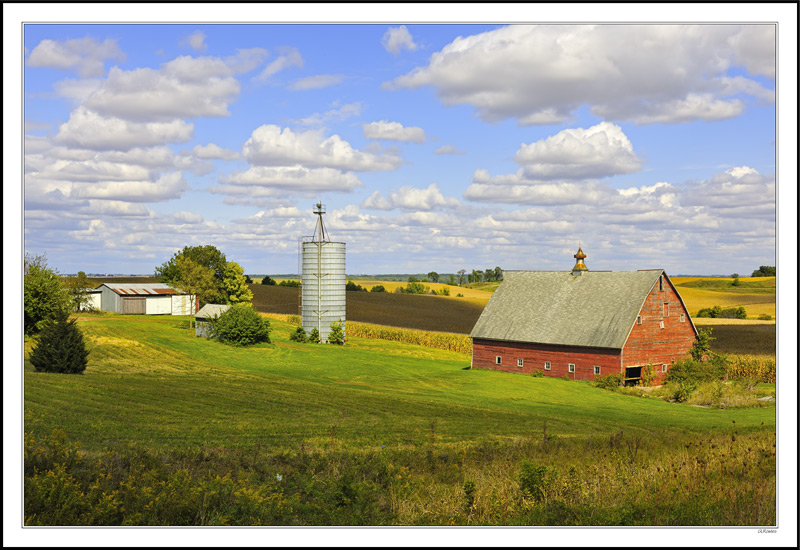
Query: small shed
x,y
203,318
145,299
93,300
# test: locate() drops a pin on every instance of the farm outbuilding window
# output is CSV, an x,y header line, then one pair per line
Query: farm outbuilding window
x,y
664,367
519,363
571,367
498,360
547,365
597,369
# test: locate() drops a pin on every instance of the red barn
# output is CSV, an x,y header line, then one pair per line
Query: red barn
x,y
583,323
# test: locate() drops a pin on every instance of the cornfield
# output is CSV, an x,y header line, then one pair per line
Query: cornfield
x,y
441,340
755,367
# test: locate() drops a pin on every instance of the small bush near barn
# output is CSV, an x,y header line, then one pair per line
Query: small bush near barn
x,y
61,348
608,382
241,325
336,335
690,371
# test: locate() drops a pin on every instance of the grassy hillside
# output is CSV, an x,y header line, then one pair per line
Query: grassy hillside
x,y
174,429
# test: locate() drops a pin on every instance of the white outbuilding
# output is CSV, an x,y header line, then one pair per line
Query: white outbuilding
x,y
203,317
145,299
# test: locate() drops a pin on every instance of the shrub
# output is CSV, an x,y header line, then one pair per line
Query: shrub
x,y
683,391
267,280
290,283
241,325
378,288
691,371
532,482
537,374
702,344
299,335
609,381
765,317
336,335
648,374
727,313
313,336
60,348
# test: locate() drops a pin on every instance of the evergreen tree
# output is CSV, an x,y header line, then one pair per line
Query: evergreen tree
x,y
60,348
336,335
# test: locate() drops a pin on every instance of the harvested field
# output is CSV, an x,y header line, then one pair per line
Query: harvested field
x,y
437,313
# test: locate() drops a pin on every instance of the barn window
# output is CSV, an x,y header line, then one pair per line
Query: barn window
x,y
519,363
664,367
498,360
638,319
571,367
683,317
662,324
666,309
547,365
597,369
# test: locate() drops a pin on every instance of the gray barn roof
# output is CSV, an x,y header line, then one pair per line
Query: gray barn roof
x,y
141,289
594,309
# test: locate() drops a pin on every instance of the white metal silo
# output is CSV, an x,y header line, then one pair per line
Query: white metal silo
x,y
323,276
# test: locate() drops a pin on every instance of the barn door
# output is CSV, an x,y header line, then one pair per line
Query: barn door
x,y
132,305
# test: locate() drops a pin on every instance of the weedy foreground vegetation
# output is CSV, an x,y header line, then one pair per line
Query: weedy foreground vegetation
x,y
164,428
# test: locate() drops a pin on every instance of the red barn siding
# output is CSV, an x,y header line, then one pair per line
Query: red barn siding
x,y
485,352
648,342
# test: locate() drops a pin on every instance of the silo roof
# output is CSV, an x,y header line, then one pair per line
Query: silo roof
x,y
593,309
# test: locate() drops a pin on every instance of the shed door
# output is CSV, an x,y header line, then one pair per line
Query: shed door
x,y
132,305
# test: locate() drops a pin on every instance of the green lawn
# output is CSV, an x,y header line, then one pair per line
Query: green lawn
x,y
150,381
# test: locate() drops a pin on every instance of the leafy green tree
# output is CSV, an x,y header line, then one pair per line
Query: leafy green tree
x,y
60,347
378,288
735,281
206,256
267,280
78,288
451,280
194,278
45,296
764,271
351,286
488,275
461,273
433,277
336,335
241,325
235,286
248,280
498,274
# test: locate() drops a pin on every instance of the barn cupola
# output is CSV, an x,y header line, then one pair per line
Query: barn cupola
x,y
579,265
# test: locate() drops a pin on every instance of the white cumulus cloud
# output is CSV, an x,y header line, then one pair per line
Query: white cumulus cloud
x,y
317,81
396,39
540,74
269,145
412,199
85,56
393,131
596,152
289,57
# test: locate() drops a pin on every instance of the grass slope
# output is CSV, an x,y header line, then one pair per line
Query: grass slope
x,y
151,381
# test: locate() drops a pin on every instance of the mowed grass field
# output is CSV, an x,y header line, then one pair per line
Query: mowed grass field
x,y
150,380
373,432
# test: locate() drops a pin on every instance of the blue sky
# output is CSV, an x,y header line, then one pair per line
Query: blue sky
x,y
434,147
